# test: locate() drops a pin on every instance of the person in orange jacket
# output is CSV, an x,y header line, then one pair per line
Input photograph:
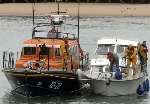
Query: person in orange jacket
x,y
131,55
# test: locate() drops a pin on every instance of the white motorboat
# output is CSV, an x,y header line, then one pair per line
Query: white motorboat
x,y
104,82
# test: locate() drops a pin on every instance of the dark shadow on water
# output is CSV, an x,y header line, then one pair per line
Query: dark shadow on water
x,y
86,97
98,27
10,98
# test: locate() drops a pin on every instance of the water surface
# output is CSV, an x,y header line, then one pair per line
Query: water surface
x,y
13,30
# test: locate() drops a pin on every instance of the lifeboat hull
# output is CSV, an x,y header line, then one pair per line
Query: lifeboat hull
x,y
32,84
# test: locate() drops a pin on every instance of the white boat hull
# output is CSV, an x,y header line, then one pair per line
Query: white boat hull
x,y
116,87
122,79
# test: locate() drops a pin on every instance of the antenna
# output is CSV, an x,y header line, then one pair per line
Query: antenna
x,y
58,10
78,20
116,44
58,6
33,12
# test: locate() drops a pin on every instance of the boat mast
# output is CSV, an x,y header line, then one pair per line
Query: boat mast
x,y
115,48
33,10
78,20
33,13
58,6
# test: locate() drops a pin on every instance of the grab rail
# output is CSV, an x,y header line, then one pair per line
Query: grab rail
x,y
9,59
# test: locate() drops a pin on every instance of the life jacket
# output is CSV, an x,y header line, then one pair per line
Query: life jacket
x,y
143,52
130,53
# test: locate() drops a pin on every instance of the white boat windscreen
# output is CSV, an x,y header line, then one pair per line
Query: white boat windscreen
x,y
103,49
121,50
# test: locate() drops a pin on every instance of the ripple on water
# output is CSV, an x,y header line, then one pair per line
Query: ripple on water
x,y
13,30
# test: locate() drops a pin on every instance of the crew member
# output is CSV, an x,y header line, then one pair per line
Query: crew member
x,y
52,33
143,53
131,55
114,60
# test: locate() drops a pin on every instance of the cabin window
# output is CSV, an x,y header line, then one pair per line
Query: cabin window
x,y
57,52
76,49
29,50
111,48
120,49
50,51
103,49
72,50
44,51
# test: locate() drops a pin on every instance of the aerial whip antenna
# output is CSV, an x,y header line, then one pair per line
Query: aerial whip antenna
x,y
78,20
33,13
58,6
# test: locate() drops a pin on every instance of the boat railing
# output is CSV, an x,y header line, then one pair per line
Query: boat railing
x,y
9,59
53,35
84,64
69,36
103,72
51,31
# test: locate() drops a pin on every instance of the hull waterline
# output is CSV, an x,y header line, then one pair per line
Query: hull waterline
x,y
116,87
44,83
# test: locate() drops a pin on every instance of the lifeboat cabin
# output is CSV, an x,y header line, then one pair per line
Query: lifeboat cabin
x,y
50,54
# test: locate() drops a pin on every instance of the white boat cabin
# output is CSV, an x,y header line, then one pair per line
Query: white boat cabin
x,y
113,45
110,45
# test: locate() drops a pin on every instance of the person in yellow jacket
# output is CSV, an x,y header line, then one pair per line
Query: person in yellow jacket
x,y
131,55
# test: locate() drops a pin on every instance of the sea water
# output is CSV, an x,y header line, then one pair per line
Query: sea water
x,y
13,30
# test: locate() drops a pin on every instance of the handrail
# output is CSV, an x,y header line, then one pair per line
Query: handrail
x,y
9,59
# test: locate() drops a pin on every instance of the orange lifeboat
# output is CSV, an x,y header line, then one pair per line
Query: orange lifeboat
x,y
47,65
